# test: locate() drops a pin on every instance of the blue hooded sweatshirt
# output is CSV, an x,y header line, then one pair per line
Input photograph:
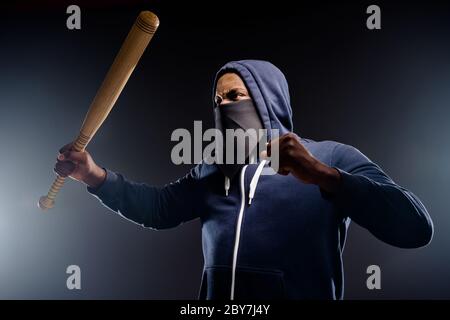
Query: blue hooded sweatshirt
x,y
273,236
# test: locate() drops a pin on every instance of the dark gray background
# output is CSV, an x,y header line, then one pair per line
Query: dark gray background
x,y
385,92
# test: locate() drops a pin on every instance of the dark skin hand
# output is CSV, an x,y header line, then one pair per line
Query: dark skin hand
x,y
79,166
297,160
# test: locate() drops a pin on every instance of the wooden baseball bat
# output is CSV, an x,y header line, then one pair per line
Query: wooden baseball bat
x,y
126,60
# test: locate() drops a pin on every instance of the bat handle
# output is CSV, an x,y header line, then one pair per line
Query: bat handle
x,y
48,201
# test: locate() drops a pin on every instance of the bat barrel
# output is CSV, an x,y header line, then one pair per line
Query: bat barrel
x,y
147,21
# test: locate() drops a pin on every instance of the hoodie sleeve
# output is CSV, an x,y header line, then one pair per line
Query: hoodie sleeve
x,y
371,199
149,206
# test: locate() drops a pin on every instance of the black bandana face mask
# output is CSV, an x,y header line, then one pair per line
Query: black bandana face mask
x,y
236,115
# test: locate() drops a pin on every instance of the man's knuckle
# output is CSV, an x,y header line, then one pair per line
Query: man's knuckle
x,y
290,151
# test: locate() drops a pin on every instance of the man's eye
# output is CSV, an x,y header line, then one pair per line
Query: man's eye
x,y
235,95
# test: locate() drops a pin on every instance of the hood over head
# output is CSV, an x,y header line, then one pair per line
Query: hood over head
x,y
268,89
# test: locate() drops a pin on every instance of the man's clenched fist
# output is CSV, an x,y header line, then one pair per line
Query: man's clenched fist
x,y
294,158
79,166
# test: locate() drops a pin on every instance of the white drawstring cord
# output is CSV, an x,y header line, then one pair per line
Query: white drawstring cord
x,y
227,185
254,181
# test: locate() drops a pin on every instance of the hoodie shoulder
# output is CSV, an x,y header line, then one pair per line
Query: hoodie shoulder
x,y
323,146
332,152
337,154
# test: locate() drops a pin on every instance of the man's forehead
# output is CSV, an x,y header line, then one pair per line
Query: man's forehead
x,y
228,80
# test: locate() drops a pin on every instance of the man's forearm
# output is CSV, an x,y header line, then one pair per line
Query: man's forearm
x,y
329,179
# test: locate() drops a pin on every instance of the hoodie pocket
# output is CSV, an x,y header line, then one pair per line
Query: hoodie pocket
x,y
251,283
258,283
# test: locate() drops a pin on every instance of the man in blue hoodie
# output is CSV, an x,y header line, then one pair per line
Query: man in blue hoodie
x,y
267,236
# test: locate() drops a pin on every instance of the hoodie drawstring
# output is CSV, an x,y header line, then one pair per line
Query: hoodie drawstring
x,y
227,185
254,181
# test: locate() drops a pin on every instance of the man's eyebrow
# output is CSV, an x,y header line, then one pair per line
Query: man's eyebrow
x,y
233,90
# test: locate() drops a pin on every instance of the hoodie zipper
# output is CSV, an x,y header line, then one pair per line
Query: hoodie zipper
x,y
238,232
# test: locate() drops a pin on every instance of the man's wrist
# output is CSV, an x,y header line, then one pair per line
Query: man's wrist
x,y
329,179
96,178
